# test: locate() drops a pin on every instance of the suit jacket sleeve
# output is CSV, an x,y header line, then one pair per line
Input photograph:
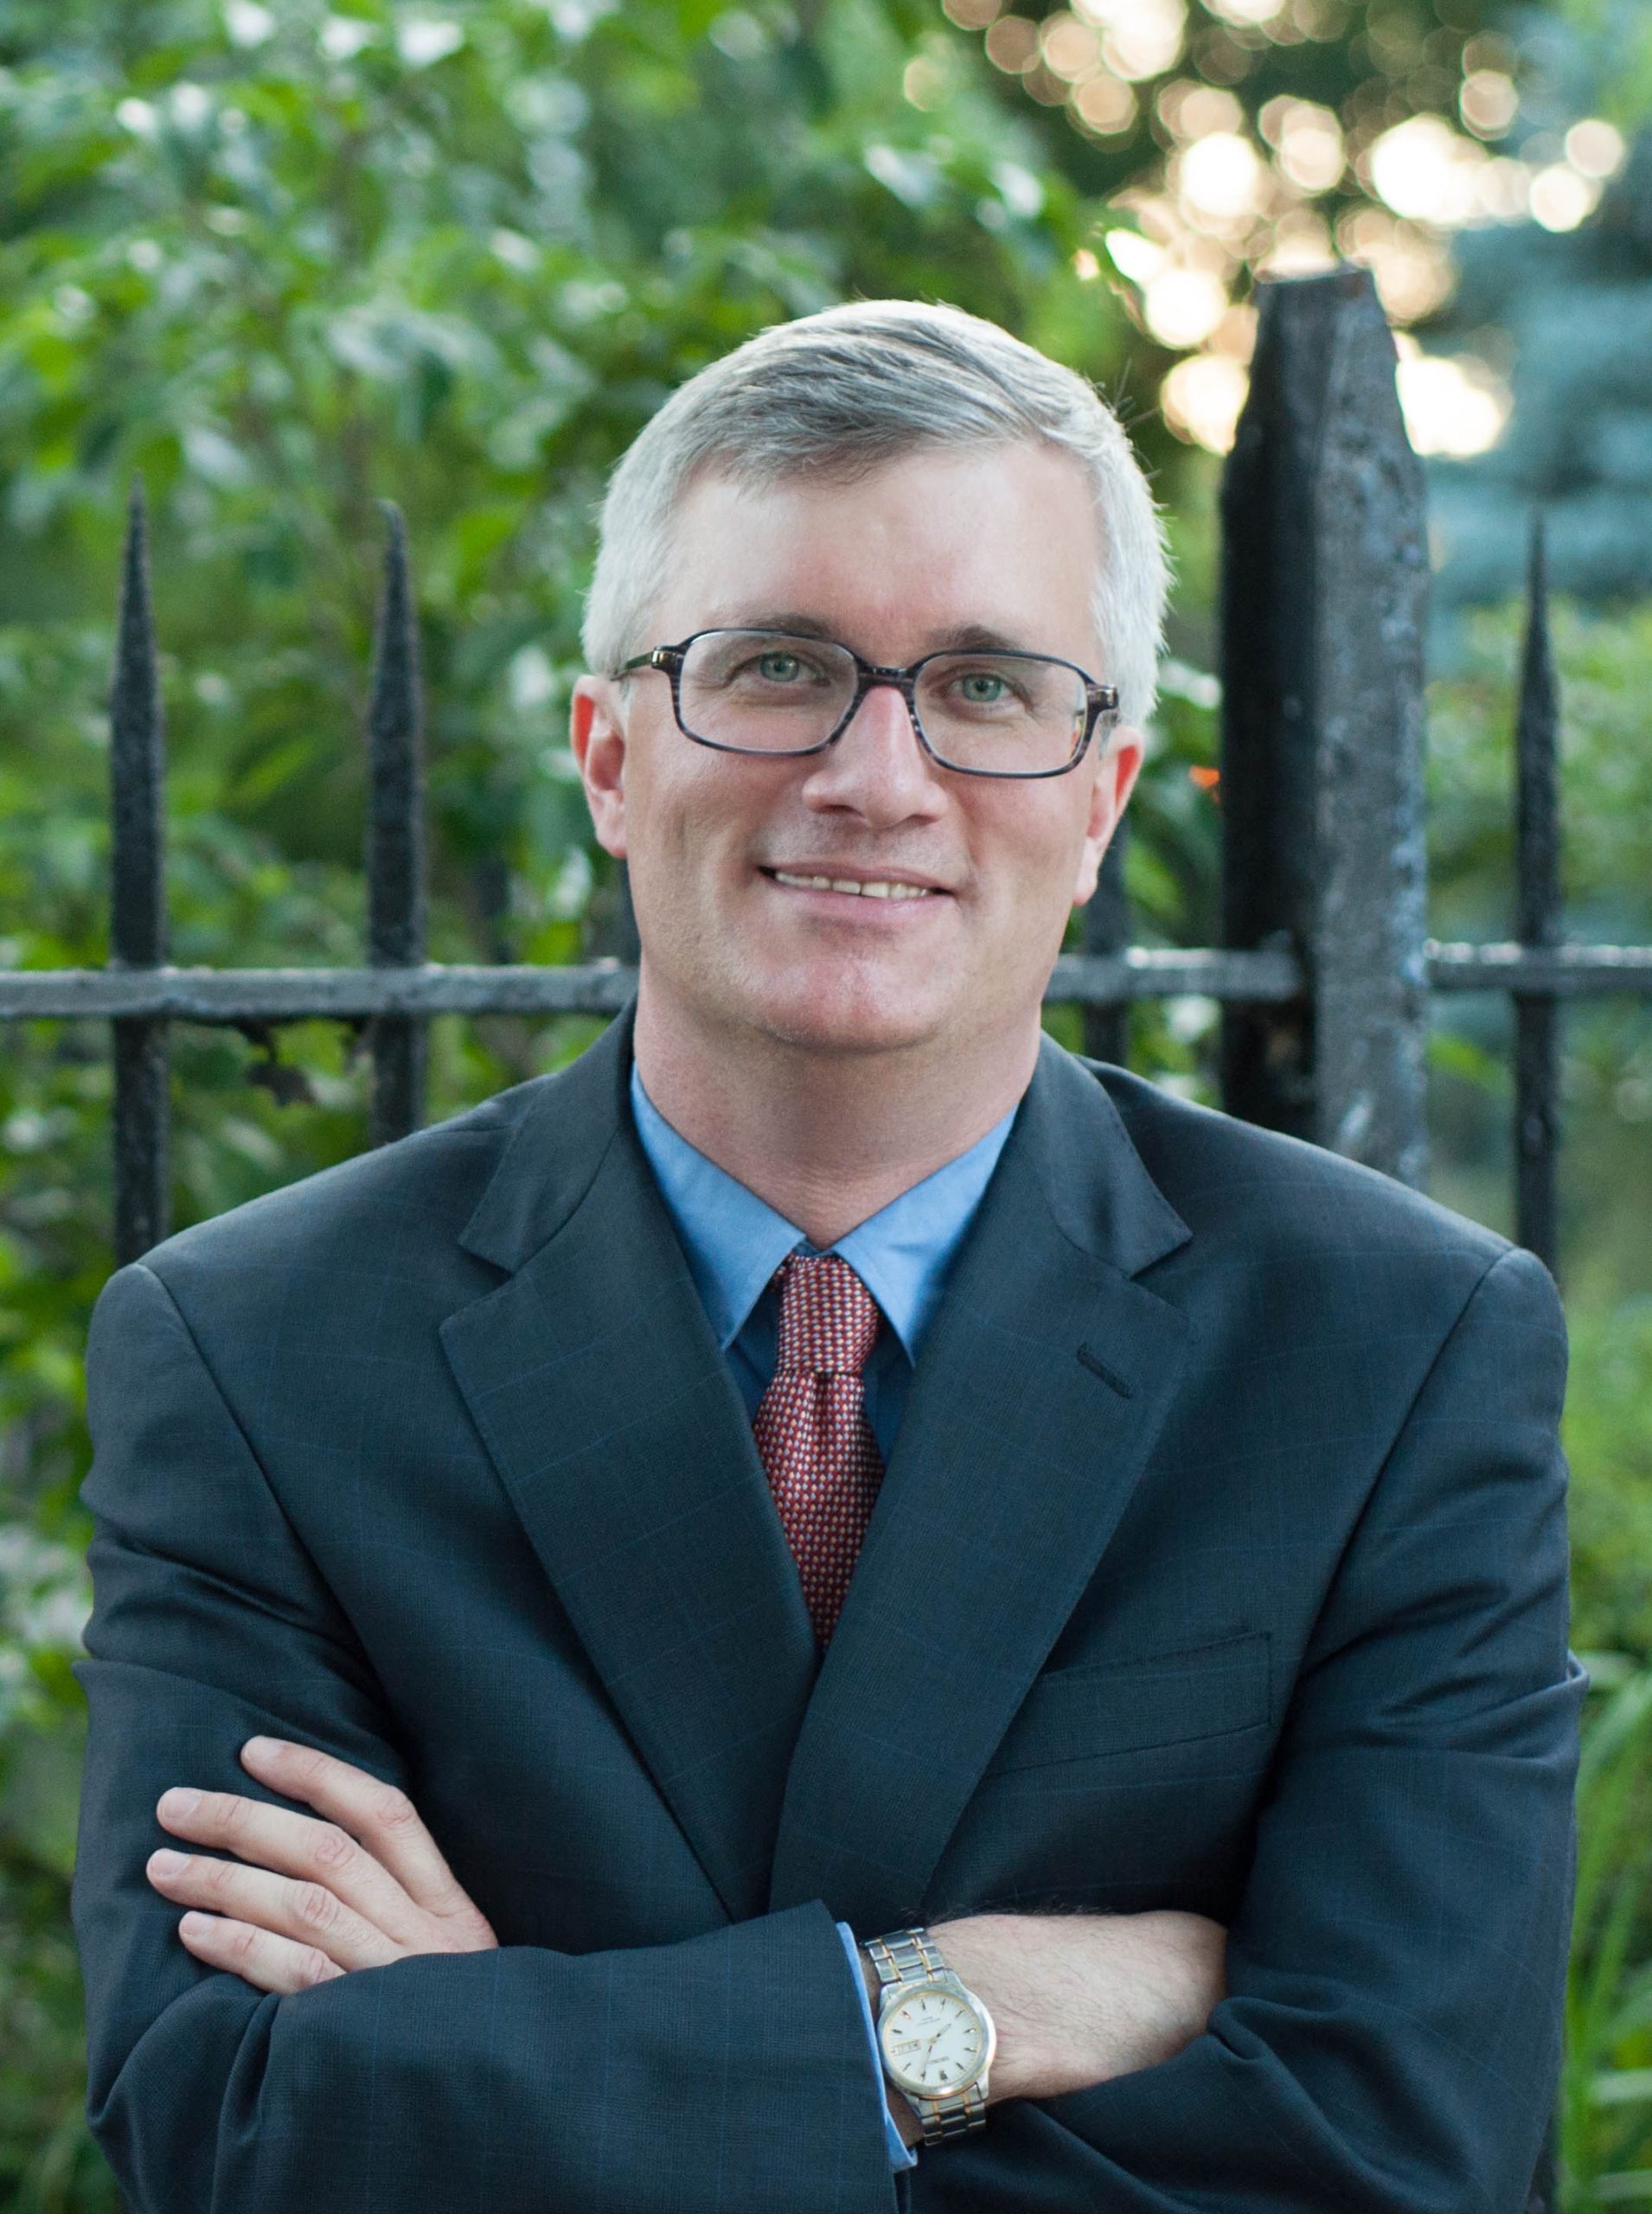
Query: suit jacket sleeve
x,y
723,2075
1391,2040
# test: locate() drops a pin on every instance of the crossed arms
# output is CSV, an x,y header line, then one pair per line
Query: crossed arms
x,y
304,1900
1390,2030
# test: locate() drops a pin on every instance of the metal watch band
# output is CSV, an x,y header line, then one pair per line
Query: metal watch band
x,y
905,1957
912,1957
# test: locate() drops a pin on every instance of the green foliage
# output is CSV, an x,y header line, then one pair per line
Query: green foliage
x,y
48,2164
1604,663
1606,2089
1603,657
1608,1438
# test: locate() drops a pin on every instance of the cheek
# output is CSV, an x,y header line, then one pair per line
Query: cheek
x,y
691,827
663,801
1028,856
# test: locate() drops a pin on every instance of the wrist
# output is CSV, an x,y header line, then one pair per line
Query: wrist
x,y
1081,1998
981,1950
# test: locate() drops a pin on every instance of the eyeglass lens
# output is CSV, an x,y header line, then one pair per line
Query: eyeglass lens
x,y
770,692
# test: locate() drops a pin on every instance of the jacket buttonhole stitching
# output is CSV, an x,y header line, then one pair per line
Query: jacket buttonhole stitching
x,y
1097,1366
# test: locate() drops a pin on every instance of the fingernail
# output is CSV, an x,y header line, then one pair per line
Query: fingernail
x,y
261,1748
179,1801
195,1925
165,1863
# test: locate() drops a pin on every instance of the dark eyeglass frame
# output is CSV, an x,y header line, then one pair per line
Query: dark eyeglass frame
x,y
1100,699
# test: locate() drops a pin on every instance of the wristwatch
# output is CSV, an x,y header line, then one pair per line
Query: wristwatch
x,y
935,2037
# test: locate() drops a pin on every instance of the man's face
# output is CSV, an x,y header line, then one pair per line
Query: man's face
x,y
894,564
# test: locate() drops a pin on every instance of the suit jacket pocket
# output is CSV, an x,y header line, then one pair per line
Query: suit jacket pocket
x,y
1117,1706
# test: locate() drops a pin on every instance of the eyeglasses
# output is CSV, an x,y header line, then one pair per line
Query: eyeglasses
x,y
982,713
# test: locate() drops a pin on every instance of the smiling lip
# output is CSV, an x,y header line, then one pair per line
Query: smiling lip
x,y
861,884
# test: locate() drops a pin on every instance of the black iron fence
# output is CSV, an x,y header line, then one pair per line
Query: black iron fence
x,y
1325,972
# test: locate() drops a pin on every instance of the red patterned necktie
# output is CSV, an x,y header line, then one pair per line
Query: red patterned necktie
x,y
812,1432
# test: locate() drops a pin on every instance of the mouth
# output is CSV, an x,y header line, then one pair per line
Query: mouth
x,y
903,889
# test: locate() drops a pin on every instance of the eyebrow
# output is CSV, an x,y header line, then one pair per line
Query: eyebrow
x,y
956,637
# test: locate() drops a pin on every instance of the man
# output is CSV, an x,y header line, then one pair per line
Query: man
x,y
832,1502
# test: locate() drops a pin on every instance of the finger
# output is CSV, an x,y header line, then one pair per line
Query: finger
x,y
383,1816
307,1913
268,1963
289,1843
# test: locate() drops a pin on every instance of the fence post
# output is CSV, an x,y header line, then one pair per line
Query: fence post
x,y
138,902
1324,592
395,841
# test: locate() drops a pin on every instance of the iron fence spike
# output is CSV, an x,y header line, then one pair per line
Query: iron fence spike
x,y
395,843
138,931
1538,917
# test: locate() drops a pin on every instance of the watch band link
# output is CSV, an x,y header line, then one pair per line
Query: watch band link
x,y
905,1957
953,2116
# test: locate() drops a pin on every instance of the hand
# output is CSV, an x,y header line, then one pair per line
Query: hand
x,y
316,1898
1077,1999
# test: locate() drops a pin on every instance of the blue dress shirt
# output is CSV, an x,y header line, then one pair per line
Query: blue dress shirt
x,y
734,1242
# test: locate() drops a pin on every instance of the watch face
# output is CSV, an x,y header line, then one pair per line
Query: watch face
x,y
934,2041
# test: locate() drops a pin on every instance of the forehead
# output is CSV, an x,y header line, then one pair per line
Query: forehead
x,y
1005,537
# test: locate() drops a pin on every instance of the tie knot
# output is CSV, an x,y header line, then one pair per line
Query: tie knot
x,y
828,1320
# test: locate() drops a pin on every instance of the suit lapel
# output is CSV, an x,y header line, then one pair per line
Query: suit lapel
x,y
1045,1379
603,1399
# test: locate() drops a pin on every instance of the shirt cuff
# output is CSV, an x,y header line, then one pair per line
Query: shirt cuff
x,y
901,2153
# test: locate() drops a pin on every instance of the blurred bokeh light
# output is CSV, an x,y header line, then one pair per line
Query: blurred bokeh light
x,y
1225,192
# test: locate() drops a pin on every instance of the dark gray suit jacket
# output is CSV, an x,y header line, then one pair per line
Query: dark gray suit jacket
x,y
1220,1565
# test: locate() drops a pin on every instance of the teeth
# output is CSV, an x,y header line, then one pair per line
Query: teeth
x,y
878,891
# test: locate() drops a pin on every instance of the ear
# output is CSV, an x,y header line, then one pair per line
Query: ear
x,y
1115,779
597,735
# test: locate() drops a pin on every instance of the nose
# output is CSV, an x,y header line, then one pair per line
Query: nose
x,y
876,767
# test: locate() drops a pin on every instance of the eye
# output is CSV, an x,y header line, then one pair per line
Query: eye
x,y
778,668
782,666
986,689
982,687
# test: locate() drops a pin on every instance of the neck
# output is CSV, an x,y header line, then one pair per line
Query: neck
x,y
826,1138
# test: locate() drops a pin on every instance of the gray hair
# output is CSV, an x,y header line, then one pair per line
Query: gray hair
x,y
855,386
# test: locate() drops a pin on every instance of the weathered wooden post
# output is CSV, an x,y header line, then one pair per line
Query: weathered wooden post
x,y
137,904
395,841
1324,590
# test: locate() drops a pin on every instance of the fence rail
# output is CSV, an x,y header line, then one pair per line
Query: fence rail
x,y
602,987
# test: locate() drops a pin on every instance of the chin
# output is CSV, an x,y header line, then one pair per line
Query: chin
x,y
833,1016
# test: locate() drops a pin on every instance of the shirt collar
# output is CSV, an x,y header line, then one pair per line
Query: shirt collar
x,y
735,1241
